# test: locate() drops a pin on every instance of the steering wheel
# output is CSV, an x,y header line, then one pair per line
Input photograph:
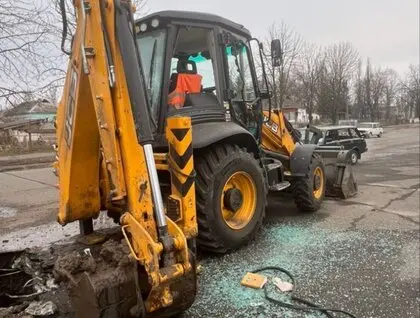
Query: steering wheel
x,y
209,89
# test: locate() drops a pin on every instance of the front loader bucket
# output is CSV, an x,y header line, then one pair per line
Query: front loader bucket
x,y
339,173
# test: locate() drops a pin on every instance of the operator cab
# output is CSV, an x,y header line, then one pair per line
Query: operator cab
x,y
198,65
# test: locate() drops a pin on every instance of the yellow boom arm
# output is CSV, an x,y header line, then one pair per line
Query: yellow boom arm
x,y
103,131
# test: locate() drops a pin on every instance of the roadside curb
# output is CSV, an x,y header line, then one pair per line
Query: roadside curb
x,y
25,166
26,161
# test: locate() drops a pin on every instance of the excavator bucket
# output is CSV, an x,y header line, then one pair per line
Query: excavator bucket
x,y
339,173
338,169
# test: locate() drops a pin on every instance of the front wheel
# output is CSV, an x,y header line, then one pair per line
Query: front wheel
x,y
308,192
231,197
354,157
380,135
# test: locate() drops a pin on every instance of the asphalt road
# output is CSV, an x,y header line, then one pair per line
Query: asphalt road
x,y
361,255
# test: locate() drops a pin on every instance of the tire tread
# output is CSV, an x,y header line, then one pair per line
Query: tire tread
x,y
207,165
302,190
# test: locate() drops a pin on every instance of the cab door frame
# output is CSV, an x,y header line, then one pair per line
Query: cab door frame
x,y
173,29
226,88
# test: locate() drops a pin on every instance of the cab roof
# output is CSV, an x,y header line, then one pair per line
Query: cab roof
x,y
197,17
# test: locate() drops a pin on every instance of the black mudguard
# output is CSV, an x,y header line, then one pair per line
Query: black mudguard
x,y
300,161
206,134
339,174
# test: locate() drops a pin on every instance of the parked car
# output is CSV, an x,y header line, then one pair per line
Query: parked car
x,y
346,136
370,129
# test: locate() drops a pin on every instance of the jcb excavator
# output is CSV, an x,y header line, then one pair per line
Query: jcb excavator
x,y
141,99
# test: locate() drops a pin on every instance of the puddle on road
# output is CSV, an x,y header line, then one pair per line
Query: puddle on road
x,y
7,212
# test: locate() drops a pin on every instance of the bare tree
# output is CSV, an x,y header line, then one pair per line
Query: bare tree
x,y
52,94
378,90
291,43
359,109
411,90
141,8
390,91
341,61
30,57
308,75
26,48
374,88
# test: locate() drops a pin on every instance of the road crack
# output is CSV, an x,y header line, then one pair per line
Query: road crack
x,y
355,221
29,179
400,198
375,208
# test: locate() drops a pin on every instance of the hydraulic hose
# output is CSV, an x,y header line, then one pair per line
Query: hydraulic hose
x,y
309,305
64,31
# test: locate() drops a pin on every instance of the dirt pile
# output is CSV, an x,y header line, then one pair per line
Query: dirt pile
x,y
54,281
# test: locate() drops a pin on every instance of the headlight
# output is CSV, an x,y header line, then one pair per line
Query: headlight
x,y
143,27
155,23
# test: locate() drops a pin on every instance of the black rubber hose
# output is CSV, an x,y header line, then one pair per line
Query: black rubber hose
x,y
291,130
310,305
64,30
136,87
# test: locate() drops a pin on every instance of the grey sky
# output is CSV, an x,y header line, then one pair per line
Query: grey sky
x,y
387,31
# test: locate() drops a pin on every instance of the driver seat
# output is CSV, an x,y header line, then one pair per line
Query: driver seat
x,y
185,81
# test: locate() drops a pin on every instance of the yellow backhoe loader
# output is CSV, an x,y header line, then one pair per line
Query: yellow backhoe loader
x,y
162,125
106,162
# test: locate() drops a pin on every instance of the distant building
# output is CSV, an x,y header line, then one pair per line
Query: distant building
x,y
297,115
28,122
37,109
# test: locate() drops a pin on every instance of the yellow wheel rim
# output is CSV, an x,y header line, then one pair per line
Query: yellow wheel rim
x,y
318,183
239,200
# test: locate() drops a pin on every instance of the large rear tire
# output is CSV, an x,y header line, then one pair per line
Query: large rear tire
x,y
231,197
308,192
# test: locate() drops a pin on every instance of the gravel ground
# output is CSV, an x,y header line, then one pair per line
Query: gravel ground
x,y
360,255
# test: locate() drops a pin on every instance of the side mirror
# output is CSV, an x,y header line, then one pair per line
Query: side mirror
x,y
276,52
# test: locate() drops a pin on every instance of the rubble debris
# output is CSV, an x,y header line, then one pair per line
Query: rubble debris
x,y
39,308
73,263
282,285
50,283
115,253
9,311
46,277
